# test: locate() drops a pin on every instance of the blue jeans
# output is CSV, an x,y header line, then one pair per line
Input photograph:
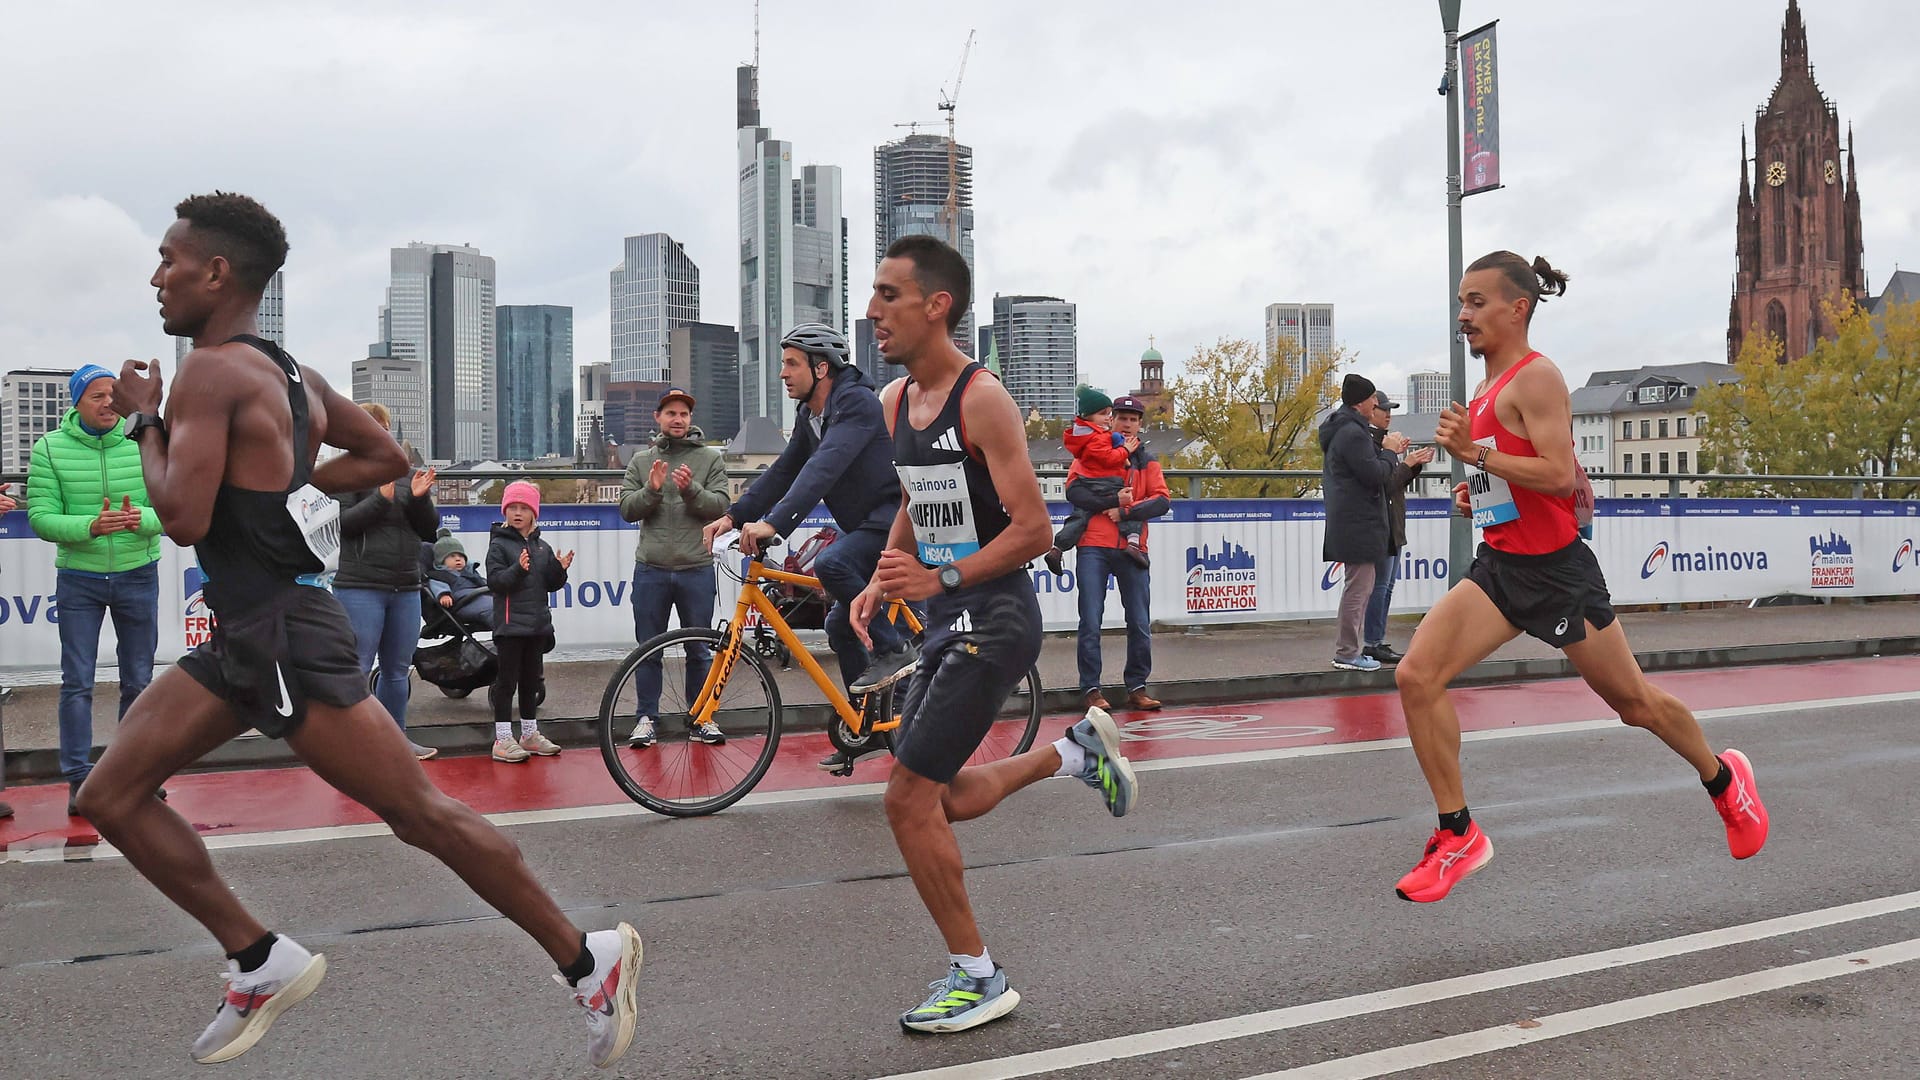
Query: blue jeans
x,y
844,569
385,624
1386,571
84,601
656,594
1092,565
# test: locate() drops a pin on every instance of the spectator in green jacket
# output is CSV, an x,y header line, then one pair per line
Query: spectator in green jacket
x,y
86,494
673,488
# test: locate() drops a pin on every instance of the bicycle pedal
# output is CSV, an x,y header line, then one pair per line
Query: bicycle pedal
x,y
843,770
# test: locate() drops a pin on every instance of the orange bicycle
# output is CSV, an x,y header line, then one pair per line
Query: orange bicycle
x,y
693,676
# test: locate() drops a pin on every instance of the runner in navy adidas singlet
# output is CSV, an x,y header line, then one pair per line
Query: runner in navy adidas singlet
x,y
1533,574
970,519
230,469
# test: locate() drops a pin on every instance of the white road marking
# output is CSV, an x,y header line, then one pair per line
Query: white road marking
x,y
234,841
1403,997
1560,1025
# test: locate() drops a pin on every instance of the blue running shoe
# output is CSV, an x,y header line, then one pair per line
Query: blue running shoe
x,y
961,1001
1106,770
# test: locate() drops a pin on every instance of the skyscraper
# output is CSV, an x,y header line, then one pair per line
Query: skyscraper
x,y
401,386
592,401
1428,391
1036,339
1308,326
535,388
704,360
273,316
32,402
655,288
910,187
439,311
793,253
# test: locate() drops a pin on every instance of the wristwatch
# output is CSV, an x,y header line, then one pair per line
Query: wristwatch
x,y
950,578
139,422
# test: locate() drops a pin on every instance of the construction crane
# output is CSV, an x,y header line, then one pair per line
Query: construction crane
x,y
948,104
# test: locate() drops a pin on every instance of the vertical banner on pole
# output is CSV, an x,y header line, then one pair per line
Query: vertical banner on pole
x,y
1481,81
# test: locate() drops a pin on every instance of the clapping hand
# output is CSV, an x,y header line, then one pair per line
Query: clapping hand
x,y
526,558
1422,456
6,501
423,482
683,478
109,520
1396,441
657,475
566,561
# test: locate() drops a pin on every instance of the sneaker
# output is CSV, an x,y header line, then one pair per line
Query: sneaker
x,y
1740,807
708,732
421,753
886,669
1139,555
509,751
6,809
1106,770
1449,859
1363,662
961,1001
255,999
643,733
1384,653
537,743
607,994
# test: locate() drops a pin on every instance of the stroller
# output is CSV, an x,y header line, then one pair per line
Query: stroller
x,y
455,654
804,608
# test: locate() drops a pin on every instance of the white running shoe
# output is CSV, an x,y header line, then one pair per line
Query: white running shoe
x,y
255,999
509,751
607,994
539,745
643,733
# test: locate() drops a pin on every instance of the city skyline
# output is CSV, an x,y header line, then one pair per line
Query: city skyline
x,y
1623,182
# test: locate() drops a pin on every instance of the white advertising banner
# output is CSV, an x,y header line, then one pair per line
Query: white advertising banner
x,y
1214,561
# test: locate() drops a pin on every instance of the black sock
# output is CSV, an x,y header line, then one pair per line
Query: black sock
x,y
581,967
1723,779
1456,822
251,957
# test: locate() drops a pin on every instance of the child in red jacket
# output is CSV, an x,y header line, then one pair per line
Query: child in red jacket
x,y
1101,457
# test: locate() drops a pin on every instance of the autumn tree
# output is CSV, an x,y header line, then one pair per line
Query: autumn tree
x,y
551,491
1849,407
1250,411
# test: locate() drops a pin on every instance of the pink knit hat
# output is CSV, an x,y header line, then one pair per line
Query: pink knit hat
x,y
521,491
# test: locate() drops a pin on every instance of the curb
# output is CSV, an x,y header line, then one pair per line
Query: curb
x,y
40,765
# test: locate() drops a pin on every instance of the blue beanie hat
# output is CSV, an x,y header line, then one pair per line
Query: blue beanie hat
x,y
77,385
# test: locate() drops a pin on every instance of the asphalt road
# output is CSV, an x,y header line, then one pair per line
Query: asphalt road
x,y
783,938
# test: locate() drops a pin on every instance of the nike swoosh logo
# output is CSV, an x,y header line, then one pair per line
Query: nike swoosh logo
x,y
285,708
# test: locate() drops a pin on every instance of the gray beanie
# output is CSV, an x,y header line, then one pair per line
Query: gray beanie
x,y
447,544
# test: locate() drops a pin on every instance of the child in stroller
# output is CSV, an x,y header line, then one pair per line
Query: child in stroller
x,y
456,586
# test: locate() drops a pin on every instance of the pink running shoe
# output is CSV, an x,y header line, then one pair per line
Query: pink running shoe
x,y
1449,859
1740,807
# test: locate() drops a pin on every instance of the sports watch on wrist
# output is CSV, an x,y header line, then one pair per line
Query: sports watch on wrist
x,y
140,422
950,578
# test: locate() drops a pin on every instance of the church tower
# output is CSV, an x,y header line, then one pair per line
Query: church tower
x,y
1797,231
1153,384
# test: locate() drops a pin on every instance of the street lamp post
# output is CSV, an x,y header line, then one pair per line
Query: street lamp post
x,y
1460,530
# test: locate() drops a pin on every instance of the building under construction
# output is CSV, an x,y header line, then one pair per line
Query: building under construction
x,y
910,180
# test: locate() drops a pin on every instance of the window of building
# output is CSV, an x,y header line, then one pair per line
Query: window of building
x,y
1680,427
1626,463
1646,462
1665,465
1646,427
1683,461
1663,429
1626,429
1653,395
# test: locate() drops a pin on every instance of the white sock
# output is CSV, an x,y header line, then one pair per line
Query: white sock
x,y
529,728
502,732
1073,756
977,966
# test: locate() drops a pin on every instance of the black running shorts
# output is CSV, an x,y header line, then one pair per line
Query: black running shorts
x,y
978,647
1552,597
267,663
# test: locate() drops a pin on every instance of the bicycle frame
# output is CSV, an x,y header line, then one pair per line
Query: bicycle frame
x,y
754,599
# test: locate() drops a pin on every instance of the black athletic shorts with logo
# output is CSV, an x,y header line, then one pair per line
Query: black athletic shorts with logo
x,y
978,647
268,662
1551,596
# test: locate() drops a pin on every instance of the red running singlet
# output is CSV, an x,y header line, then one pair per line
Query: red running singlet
x,y
1512,518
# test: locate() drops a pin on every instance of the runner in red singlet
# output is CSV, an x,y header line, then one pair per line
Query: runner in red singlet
x,y
1532,574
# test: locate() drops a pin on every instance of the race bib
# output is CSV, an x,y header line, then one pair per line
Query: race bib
x,y
1490,495
941,509
317,516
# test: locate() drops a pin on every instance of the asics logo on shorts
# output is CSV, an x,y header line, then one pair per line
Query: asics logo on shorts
x,y
1560,628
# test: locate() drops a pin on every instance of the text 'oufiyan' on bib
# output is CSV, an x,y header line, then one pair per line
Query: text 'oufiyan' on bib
x,y
941,510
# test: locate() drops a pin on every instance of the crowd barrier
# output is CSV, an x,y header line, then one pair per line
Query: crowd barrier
x,y
1214,561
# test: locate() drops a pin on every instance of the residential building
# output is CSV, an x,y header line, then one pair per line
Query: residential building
x,y
1429,391
440,311
704,360
910,189
1593,409
1308,326
535,385
401,386
1035,338
655,288
272,320
1655,424
32,401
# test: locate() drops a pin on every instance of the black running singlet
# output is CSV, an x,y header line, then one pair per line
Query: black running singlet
x,y
260,542
950,495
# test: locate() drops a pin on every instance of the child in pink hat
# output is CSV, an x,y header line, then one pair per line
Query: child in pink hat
x,y
521,571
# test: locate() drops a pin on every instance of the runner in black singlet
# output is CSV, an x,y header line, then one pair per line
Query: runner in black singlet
x,y
230,470
970,519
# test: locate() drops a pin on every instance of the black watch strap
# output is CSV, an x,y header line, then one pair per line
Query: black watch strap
x,y
140,422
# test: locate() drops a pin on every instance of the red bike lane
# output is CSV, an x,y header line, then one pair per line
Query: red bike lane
x,y
281,800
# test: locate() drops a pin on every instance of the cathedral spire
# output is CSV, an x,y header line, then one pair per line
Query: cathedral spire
x,y
1746,190
1793,40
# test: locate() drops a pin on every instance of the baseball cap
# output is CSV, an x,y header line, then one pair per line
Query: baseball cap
x,y
1383,401
671,393
1129,403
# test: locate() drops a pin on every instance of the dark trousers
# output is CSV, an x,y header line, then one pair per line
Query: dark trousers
x,y
1092,566
844,569
522,664
1386,572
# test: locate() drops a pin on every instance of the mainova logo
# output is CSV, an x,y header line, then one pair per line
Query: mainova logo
x,y
1704,560
1223,580
1412,568
1903,556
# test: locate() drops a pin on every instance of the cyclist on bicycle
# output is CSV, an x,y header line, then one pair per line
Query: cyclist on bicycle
x,y
840,452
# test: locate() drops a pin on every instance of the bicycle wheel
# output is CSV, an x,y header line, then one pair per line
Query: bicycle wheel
x,y
679,775
1017,724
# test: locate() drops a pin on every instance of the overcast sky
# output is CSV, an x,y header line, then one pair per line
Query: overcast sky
x,y
1172,168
